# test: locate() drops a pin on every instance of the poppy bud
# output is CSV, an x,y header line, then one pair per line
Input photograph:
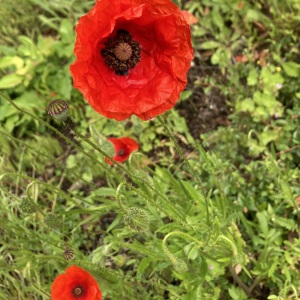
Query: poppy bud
x,y
136,219
27,206
239,259
180,266
119,260
58,109
53,221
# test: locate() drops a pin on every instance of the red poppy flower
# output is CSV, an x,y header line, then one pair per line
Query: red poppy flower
x,y
132,57
190,18
75,284
123,148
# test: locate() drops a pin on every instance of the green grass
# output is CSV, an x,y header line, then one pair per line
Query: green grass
x,y
221,224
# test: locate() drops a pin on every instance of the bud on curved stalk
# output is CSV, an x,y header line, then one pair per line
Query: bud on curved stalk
x,y
27,206
53,221
179,265
136,219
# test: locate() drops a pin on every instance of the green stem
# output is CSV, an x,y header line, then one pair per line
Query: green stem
x,y
51,187
186,237
230,243
238,280
41,291
132,175
118,197
180,152
29,197
57,132
22,143
176,217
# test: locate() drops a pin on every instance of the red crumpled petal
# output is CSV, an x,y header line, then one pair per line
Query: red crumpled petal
x,y
154,85
126,145
190,18
64,283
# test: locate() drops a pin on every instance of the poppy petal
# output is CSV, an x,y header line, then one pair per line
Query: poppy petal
x,y
155,83
190,18
123,148
64,285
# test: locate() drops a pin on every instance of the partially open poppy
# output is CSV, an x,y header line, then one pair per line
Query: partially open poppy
x,y
75,284
132,57
123,148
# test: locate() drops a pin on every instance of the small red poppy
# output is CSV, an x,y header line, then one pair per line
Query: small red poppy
x,y
132,57
123,148
75,284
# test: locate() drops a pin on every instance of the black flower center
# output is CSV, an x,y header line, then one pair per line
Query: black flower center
x,y
78,291
121,152
121,52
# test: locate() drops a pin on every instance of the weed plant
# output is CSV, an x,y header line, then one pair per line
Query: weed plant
x,y
211,215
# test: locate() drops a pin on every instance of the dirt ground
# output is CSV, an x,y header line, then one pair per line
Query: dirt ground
x,y
204,112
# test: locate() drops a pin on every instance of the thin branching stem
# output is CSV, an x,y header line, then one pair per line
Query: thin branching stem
x,y
180,152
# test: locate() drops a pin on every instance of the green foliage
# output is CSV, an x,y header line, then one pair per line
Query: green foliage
x,y
217,219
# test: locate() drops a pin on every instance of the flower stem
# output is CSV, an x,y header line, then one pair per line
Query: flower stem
x,y
133,176
230,243
51,187
180,152
186,237
130,174
118,197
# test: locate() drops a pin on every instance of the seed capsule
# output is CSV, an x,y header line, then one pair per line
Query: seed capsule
x,y
58,109
69,254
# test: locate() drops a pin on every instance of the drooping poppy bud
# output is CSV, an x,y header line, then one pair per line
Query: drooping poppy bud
x,y
53,221
136,219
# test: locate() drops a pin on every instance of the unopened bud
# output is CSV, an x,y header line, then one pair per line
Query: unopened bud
x,y
58,109
136,219
53,221
27,206
180,266
239,259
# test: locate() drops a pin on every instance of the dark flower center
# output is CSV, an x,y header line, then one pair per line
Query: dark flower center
x,y
121,52
121,152
78,291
